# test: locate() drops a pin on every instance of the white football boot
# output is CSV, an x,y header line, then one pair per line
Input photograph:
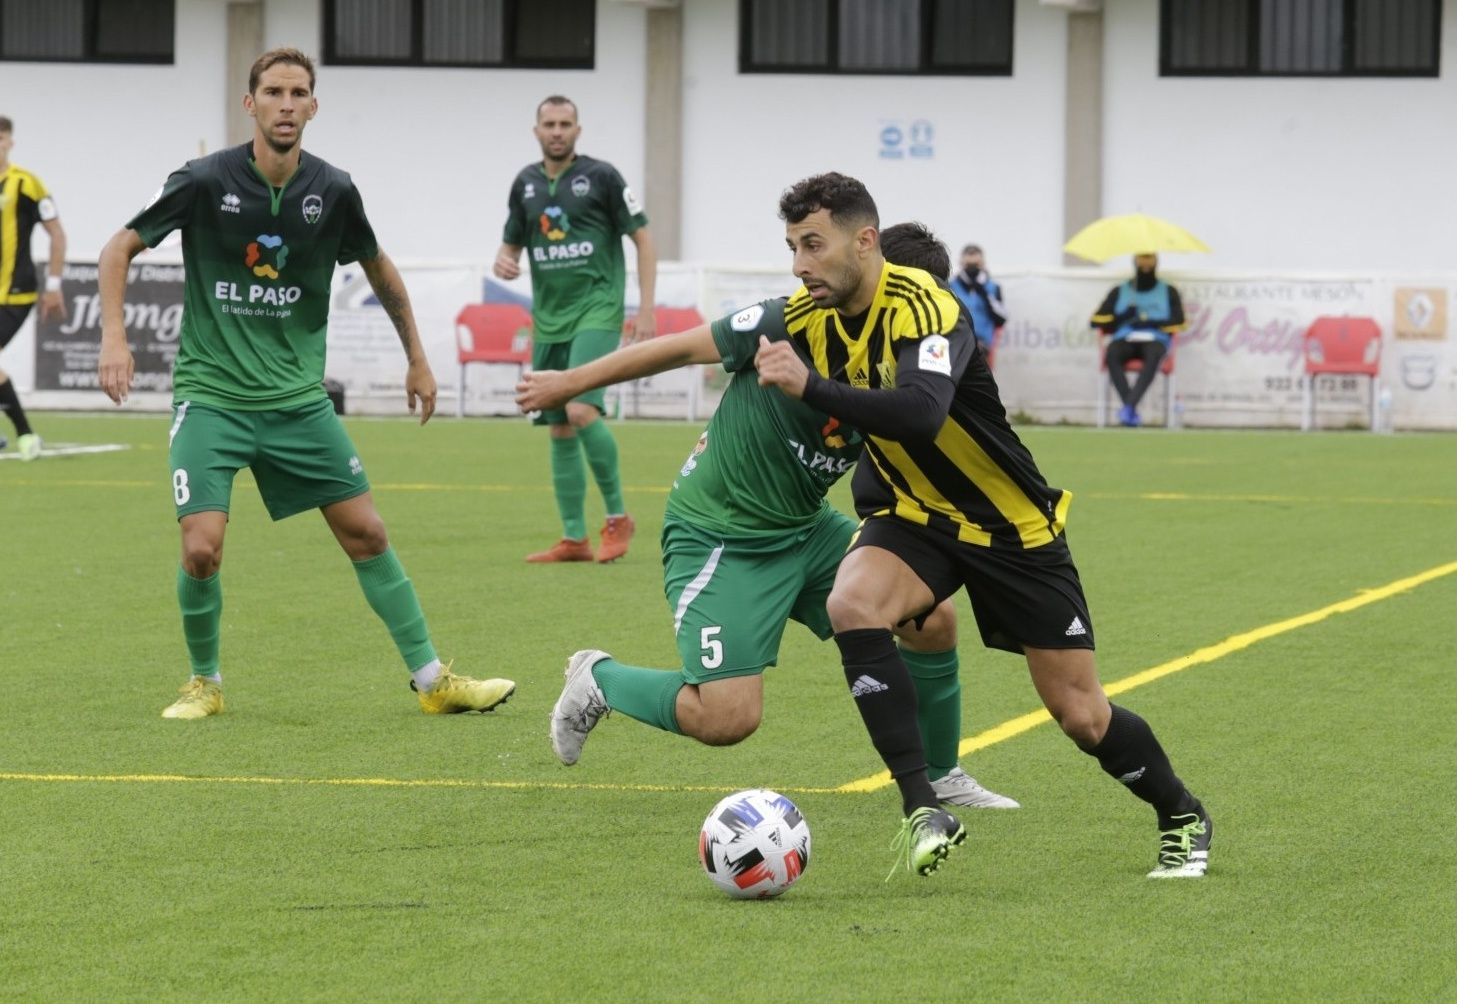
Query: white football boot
x,y
960,788
579,707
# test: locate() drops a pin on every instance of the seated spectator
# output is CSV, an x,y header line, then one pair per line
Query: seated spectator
x,y
982,295
1141,317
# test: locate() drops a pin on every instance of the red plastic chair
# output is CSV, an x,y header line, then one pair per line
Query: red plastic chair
x,y
671,320
1346,346
491,333
1166,368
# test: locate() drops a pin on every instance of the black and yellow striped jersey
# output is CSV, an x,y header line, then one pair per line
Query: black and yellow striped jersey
x,y
974,479
24,202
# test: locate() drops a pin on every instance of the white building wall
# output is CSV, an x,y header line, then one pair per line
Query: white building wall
x,y
994,177
433,150
1274,173
1347,177
104,137
1283,173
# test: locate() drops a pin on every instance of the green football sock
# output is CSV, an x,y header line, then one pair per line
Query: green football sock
x,y
569,480
201,601
649,695
393,598
938,706
601,449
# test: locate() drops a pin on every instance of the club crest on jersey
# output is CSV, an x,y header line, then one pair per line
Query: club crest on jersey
x,y
832,439
935,355
313,208
692,461
581,186
554,223
266,256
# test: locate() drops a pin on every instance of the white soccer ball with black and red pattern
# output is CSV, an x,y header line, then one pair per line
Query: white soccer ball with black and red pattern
x,y
754,844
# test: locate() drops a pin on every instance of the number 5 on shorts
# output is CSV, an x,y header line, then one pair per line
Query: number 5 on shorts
x,y
180,489
712,647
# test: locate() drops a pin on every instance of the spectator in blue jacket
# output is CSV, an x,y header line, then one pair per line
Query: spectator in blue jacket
x,y
1141,316
982,296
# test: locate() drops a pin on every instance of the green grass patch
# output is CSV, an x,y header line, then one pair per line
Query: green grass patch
x,y
1324,754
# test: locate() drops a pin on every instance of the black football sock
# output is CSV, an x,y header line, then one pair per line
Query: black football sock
x,y
10,404
886,697
1129,752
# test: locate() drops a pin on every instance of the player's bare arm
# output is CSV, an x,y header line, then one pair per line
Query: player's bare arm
x,y
51,301
541,389
508,262
384,278
780,366
646,324
114,367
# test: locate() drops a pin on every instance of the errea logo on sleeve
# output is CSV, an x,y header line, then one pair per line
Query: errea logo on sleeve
x,y
935,355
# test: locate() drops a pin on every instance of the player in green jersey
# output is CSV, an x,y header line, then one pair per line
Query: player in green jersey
x,y
263,225
570,213
749,543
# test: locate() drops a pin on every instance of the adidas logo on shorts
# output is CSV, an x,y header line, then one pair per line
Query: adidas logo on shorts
x,y
867,685
1076,627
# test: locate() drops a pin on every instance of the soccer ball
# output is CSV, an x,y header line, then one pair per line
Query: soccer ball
x,y
754,844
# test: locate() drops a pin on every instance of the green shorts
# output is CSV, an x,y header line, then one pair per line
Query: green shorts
x,y
732,597
581,348
301,458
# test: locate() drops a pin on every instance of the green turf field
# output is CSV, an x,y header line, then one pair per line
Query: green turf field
x,y
324,840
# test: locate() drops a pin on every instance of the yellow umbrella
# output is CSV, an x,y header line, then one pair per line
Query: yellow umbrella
x,y
1134,233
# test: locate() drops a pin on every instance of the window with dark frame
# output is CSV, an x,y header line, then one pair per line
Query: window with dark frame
x,y
88,31
906,37
1305,38
549,34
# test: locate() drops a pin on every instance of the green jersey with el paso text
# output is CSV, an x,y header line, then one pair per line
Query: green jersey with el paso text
x,y
572,229
259,262
766,461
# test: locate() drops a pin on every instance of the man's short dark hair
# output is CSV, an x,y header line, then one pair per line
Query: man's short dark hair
x,y
556,99
5,124
847,200
914,246
971,249
277,57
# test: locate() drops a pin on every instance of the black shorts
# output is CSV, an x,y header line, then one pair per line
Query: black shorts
x,y
1026,597
11,318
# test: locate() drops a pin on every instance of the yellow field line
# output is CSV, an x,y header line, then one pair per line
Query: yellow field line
x,y
381,782
660,489
875,782
1209,653
160,484
1300,499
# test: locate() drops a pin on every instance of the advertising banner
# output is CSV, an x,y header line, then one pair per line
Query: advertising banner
x,y
1238,363
365,354
66,349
